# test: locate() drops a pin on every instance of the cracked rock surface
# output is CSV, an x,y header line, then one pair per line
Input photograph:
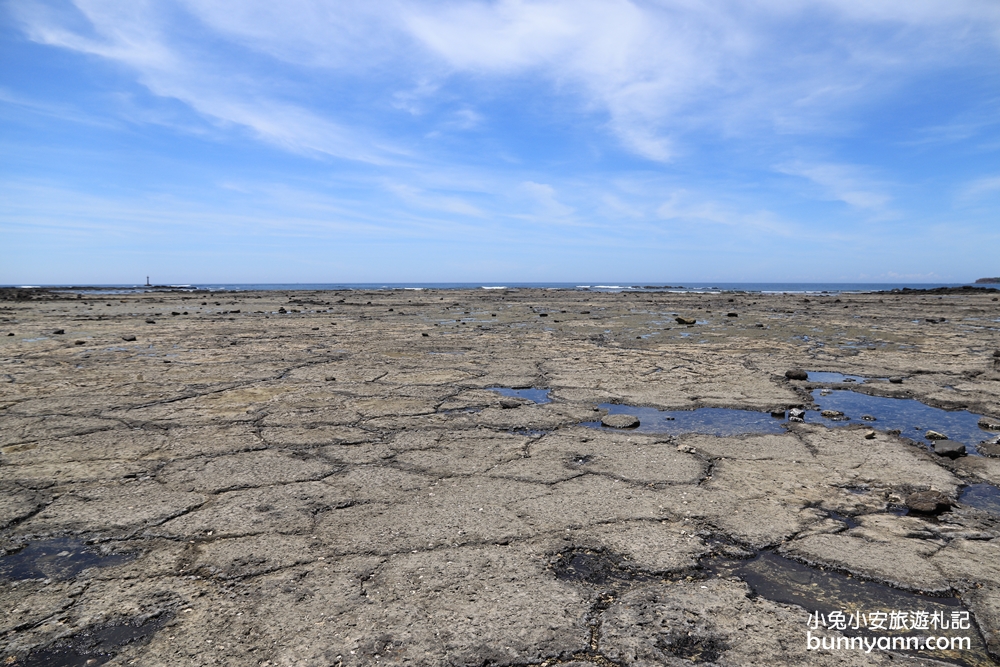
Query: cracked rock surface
x,y
338,484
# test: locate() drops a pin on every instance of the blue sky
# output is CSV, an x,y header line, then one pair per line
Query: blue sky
x,y
512,140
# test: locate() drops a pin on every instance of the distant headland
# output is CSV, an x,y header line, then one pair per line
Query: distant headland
x,y
987,281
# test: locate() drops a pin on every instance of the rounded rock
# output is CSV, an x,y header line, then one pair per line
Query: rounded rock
x,y
620,421
928,502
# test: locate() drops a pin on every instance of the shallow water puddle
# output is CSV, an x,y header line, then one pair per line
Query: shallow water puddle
x,y
830,377
61,558
985,497
910,416
710,421
820,592
536,395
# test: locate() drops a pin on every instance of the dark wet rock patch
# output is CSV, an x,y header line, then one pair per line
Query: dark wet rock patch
x,y
819,592
93,646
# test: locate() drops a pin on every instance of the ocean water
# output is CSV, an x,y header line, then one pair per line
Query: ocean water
x,y
607,286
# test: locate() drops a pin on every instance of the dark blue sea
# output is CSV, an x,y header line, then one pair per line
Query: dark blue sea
x,y
607,286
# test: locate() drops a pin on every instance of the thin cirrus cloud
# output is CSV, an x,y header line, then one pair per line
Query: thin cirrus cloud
x,y
140,36
654,69
845,183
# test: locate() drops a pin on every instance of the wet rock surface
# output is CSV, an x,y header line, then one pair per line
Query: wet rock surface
x,y
399,477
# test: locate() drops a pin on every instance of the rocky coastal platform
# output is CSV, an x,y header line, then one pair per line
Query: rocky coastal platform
x,y
333,478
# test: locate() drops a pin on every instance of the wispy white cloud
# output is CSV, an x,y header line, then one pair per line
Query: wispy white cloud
x,y
693,208
137,35
655,69
981,187
845,183
544,201
418,197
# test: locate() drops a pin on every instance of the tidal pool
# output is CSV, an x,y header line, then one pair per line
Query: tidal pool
x,y
61,558
910,416
828,376
710,421
536,395
985,497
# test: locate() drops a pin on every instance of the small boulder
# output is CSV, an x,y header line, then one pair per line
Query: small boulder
x,y
732,315
778,412
509,403
685,320
796,374
797,413
896,380
989,423
990,447
934,435
928,502
150,321
128,339
949,448
868,418
830,414
870,435
620,421
59,332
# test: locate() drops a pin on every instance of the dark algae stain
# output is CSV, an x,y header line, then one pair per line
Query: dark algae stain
x,y
93,646
838,605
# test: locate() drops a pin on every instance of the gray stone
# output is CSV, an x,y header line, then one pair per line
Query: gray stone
x,y
620,421
796,374
896,380
989,423
934,435
949,448
928,502
990,447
